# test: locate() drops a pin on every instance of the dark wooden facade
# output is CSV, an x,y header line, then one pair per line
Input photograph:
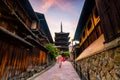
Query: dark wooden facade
x,y
89,27
109,11
98,18
44,27
20,40
98,31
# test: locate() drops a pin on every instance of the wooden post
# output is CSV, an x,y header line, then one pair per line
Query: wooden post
x,y
109,11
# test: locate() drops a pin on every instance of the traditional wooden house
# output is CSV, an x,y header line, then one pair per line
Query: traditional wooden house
x,y
98,32
20,47
89,27
44,29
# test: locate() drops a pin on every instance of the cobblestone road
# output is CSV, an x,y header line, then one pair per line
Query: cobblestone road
x,y
66,72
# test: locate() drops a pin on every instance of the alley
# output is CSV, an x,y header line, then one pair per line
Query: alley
x,y
66,72
33,33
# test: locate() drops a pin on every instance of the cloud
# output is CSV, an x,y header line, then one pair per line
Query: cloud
x,y
46,4
42,5
66,13
64,5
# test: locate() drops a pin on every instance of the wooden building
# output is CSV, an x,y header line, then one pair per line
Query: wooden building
x,y
20,45
89,27
62,40
44,27
98,32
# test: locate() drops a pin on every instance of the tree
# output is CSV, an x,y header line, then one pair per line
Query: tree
x,y
52,50
66,54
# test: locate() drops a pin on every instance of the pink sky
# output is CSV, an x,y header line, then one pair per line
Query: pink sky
x,y
57,11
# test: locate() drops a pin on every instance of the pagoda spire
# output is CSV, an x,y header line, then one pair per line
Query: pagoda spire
x,y
61,28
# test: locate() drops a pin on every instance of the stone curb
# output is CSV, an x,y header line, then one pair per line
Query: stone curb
x,y
37,74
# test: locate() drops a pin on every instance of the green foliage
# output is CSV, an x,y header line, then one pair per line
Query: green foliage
x,y
52,50
65,54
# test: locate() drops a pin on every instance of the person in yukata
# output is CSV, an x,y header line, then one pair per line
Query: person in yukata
x,y
59,60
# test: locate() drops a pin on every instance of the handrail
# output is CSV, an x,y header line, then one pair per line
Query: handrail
x,y
13,12
37,43
6,32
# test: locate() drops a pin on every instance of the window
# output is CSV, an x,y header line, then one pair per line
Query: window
x,y
80,40
84,34
96,13
89,24
34,25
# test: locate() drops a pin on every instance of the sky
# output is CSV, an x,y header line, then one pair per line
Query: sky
x,y
56,12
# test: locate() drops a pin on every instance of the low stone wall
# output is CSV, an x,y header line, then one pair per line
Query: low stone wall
x,y
34,70
102,66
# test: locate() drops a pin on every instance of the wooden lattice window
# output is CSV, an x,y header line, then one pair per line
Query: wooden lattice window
x,y
89,24
84,34
96,13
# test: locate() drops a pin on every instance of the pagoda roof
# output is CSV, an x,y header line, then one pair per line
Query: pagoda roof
x,y
61,34
62,47
60,43
60,37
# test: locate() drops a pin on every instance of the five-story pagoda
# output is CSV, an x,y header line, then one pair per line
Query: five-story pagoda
x,y
62,40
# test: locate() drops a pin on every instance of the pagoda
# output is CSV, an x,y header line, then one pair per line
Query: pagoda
x,y
62,40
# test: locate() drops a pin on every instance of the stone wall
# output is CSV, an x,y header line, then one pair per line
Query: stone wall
x,y
102,66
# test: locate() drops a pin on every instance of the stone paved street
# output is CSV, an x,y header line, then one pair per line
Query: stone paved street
x,y
66,72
